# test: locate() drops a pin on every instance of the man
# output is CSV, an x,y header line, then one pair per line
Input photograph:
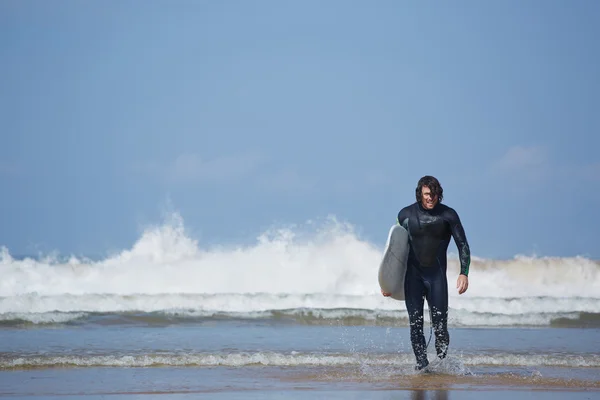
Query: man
x,y
430,225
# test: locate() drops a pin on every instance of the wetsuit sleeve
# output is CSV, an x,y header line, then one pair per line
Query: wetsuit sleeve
x,y
458,233
402,215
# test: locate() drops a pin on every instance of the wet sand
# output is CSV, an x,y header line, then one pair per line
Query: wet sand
x,y
296,383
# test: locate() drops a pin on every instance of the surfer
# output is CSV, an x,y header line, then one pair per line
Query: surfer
x,y
430,225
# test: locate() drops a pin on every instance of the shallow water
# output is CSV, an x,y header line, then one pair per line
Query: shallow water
x,y
289,317
270,359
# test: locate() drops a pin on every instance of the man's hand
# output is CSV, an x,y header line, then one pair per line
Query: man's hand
x,y
385,293
462,284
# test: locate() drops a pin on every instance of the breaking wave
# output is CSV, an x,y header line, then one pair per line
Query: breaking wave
x,y
317,273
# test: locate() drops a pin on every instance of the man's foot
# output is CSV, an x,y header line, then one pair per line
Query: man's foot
x,y
424,366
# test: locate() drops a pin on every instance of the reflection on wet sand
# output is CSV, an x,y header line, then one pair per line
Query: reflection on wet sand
x,y
434,385
429,395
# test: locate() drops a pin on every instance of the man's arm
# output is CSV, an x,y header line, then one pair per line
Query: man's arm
x,y
402,216
458,233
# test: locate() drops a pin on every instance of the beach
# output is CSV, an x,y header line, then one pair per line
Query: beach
x,y
148,358
288,318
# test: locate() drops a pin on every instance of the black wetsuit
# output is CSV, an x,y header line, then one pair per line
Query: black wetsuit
x,y
430,232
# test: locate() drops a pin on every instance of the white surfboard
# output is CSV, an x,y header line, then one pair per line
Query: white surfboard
x,y
392,269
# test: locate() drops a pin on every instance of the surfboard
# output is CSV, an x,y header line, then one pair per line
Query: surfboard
x,y
392,269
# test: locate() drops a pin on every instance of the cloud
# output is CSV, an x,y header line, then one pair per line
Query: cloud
x,y
288,181
533,165
255,172
192,168
376,178
361,182
518,158
523,163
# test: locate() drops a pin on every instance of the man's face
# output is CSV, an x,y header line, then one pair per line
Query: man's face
x,y
427,200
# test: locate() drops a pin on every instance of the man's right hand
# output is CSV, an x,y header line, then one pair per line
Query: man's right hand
x,y
386,294
462,283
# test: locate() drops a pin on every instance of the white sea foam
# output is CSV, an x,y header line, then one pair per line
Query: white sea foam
x,y
327,267
489,312
288,359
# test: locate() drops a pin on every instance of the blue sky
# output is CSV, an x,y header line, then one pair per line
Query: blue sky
x,y
244,115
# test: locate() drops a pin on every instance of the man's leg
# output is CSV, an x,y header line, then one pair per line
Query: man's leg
x,y
413,292
437,299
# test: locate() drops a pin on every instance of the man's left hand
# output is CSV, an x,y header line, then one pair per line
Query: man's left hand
x,y
462,284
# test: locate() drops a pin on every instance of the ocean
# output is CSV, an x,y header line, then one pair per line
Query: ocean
x,y
296,314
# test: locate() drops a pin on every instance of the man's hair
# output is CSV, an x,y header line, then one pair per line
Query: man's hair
x,y
433,184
